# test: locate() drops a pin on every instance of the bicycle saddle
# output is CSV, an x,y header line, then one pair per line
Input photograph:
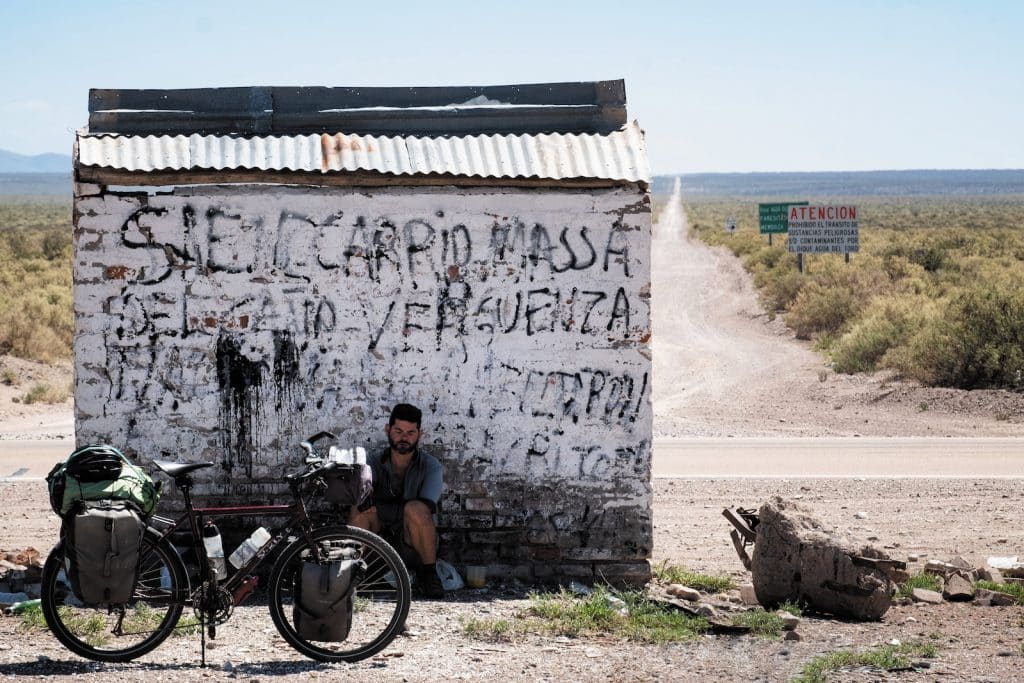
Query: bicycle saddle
x,y
178,469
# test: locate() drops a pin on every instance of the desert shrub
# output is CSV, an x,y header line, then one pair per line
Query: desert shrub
x,y
888,322
41,392
977,342
821,309
779,285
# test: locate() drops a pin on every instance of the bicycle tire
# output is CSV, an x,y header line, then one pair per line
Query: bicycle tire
x,y
148,619
382,596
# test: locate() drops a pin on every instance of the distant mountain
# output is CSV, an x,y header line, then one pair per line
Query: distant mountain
x,y
846,183
40,163
36,184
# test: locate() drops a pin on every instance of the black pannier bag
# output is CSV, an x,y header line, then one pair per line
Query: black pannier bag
x,y
325,596
102,540
348,484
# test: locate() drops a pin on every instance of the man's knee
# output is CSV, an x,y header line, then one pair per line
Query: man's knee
x,y
417,513
365,519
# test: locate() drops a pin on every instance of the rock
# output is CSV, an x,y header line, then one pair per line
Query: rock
x,y
912,557
925,595
994,598
708,612
684,592
795,558
957,589
789,621
899,576
748,595
861,515
938,567
960,563
792,635
995,576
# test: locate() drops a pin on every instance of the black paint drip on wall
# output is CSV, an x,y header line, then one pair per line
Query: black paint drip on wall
x,y
286,368
240,380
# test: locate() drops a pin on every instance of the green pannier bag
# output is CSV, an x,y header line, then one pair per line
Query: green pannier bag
x,y
100,472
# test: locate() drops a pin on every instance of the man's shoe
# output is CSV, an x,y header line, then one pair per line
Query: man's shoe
x,y
430,583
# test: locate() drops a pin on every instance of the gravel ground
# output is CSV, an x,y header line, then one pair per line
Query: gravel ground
x,y
932,518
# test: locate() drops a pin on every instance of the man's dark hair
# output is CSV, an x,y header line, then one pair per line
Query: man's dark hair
x,y
406,413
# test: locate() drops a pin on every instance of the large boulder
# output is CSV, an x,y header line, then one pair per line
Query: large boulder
x,y
796,559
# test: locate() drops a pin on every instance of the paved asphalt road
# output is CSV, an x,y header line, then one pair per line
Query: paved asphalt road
x,y
788,458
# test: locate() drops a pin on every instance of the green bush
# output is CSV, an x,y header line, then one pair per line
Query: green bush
x,y
820,309
886,323
981,340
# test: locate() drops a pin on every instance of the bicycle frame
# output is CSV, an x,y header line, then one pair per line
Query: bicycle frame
x,y
193,518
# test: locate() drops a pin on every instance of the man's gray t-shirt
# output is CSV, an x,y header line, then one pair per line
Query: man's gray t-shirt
x,y
423,480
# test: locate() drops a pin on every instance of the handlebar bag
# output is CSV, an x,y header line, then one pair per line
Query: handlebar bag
x,y
348,484
100,472
102,541
324,596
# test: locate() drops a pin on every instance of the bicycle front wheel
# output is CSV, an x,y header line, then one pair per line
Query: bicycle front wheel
x,y
381,596
117,632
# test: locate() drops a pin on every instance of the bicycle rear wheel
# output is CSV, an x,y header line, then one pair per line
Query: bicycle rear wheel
x,y
381,597
121,632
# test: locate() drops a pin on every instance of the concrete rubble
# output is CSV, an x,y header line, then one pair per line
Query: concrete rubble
x,y
796,559
20,576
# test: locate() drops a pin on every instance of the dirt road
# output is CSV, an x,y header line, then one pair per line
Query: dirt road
x,y
722,368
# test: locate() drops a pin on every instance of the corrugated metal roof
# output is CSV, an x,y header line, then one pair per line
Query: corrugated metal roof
x,y
620,155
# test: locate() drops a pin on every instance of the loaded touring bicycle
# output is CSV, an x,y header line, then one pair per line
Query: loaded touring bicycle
x,y
115,586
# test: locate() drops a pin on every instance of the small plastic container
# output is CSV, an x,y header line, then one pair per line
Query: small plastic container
x,y
249,547
476,576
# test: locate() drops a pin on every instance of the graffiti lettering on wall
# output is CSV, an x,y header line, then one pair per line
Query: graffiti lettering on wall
x,y
608,395
229,240
436,278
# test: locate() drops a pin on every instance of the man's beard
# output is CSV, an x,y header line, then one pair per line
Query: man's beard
x,y
403,447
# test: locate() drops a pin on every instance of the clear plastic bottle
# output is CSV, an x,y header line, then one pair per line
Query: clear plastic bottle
x,y
214,550
249,547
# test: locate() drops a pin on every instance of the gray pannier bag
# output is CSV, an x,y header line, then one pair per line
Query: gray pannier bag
x,y
324,596
102,543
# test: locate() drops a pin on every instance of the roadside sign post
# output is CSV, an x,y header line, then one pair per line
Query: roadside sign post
x,y
823,229
774,218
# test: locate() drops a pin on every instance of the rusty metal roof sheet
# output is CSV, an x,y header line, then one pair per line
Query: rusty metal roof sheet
x,y
620,155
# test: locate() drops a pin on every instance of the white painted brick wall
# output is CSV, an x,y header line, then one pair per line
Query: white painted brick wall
x,y
517,319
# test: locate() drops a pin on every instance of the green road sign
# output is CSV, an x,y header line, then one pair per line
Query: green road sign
x,y
773,217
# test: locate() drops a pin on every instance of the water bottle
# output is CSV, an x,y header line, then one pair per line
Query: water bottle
x,y
249,547
214,550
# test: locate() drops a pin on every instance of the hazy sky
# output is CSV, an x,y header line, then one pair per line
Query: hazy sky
x,y
718,86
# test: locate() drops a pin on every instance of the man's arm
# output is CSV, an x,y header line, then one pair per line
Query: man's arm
x,y
433,483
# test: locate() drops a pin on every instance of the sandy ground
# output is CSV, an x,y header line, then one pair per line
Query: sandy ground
x,y
19,420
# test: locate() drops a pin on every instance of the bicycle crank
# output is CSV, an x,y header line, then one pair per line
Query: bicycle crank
x,y
213,605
